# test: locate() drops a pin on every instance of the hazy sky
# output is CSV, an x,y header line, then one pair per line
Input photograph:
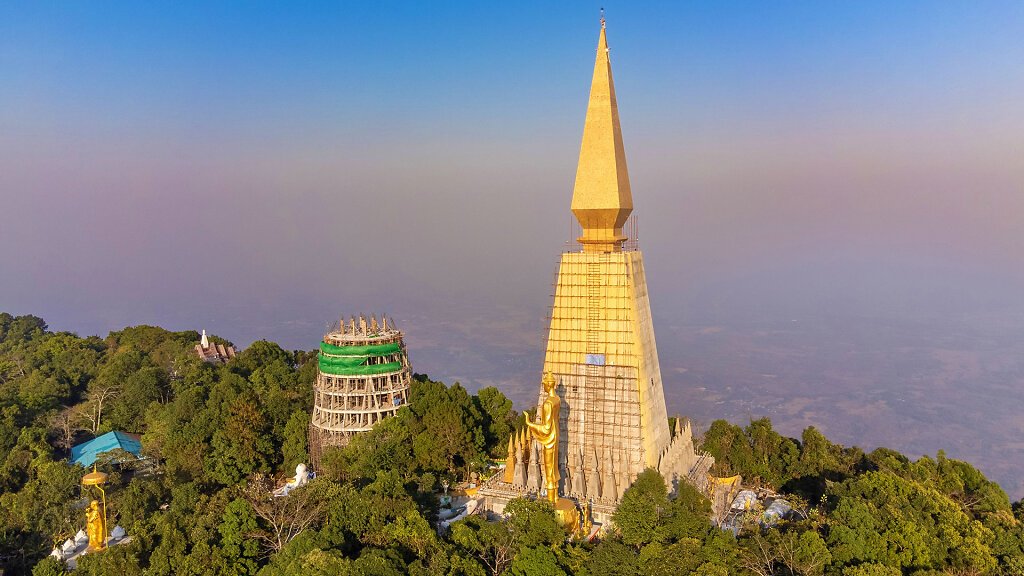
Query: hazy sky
x,y
259,169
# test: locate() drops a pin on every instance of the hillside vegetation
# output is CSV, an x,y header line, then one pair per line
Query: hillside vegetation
x,y
220,435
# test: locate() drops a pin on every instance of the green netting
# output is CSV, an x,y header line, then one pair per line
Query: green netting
x,y
327,366
371,350
351,360
346,362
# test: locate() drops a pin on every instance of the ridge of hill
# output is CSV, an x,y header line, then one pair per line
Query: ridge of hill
x,y
217,435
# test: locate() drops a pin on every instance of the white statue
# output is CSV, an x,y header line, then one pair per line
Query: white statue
x,y
301,479
301,476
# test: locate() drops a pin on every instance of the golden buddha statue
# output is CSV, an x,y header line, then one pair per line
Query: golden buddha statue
x,y
96,527
545,430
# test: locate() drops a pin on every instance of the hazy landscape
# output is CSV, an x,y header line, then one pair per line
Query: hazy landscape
x,y
829,200
874,363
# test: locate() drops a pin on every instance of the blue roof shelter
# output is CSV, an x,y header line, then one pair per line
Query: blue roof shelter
x,y
87,452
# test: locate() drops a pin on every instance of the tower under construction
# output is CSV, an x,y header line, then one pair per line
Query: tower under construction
x,y
600,344
363,377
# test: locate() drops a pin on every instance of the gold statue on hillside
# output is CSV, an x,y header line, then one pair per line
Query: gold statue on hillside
x,y
96,527
96,515
545,430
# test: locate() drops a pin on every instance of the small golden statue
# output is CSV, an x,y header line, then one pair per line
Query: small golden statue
x,y
586,523
96,527
545,430
95,516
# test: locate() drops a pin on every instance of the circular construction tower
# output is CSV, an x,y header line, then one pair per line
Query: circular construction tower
x,y
363,377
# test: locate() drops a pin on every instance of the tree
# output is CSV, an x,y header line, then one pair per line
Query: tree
x,y
21,328
319,562
613,558
784,552
50,566
638,517
122,559
533,523
871,569
729,446
413,535
385,448
499,416
237,528
490,543
295,448
681,557
99,394
9,370
138,391
535,562
284,518
168,556
884,518
243,444
528,525
452,427
687,515
260,354
65,423
39,393
772,453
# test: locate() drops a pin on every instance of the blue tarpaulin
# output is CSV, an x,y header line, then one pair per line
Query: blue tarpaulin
x,y
87,452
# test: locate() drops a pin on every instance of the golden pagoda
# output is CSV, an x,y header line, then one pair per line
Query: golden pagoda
x,y
601,360
600,344
601,199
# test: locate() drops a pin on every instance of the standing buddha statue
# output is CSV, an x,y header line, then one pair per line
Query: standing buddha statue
x,y
95,527
545,430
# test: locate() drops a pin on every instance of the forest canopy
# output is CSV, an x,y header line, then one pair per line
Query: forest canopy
x,y
217,436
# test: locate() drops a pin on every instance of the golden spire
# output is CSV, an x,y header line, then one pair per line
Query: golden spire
x,y
510,462
601,199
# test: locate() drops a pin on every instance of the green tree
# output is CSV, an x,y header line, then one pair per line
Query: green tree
x,y
883,518
243,446
613,558
283,519
639,514
295,446
533,523
413,536
491,544
14,329
238,545
536,562
122,559
319,562
50,566
687,515
499,418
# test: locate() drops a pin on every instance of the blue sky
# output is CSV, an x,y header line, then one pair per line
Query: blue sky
x,y
151,151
